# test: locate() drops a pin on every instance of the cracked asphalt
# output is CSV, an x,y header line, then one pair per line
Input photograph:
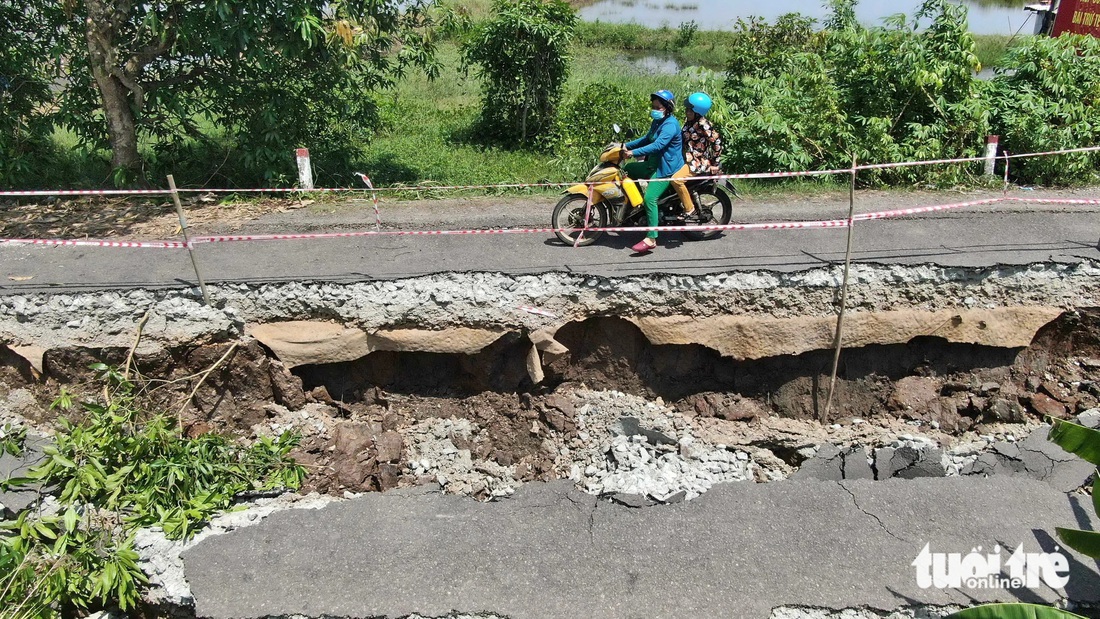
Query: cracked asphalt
x,y
550,551
974,237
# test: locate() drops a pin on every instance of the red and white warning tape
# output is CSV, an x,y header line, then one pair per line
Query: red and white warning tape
x,y
775,225
901,212
98,243
377,214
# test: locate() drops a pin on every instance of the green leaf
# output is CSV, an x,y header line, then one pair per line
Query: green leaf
x,y
44,530
1079,440
1084,542
1013,611
71,519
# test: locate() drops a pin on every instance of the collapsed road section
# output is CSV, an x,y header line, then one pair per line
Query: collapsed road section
x,y
651,446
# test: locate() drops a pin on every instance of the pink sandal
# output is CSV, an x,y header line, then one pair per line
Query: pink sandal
x,y
643,248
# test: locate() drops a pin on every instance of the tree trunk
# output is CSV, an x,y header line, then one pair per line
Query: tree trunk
x,y
114,95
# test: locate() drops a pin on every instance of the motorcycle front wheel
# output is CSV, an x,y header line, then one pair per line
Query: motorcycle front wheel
x,y
716,203
568,220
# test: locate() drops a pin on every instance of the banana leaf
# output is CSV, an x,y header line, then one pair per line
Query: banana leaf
x,y
1013,611
1084,542
1085,442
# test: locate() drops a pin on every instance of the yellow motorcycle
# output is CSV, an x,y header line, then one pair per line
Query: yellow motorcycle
x,y
617,202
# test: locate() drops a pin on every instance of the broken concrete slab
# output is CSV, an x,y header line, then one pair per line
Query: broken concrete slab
x,y
812,544
909,462
833,464
826,465
13,502
856,465
1089,418
1035,457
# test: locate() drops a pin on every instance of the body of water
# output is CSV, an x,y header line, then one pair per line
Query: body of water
x,y
986,17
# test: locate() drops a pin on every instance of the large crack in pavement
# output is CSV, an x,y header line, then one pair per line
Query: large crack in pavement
x,y
878,520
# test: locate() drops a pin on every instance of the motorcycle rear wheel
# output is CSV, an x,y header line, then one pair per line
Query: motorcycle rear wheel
x,y
718,204
568,220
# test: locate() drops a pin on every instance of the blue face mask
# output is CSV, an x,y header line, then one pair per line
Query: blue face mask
x,y
656,114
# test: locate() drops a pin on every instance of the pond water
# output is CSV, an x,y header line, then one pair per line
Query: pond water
x,y
986,16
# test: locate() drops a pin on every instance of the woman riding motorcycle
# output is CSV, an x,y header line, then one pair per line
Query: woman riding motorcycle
x,y
702,144
663,149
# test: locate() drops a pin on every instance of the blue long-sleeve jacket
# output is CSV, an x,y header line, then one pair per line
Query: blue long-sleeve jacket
x,y
664,140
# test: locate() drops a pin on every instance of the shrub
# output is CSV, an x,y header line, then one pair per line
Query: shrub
x,y
522,59
1048,98
119,469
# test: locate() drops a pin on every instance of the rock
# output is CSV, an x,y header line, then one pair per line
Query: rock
x,y
741,410
389,476
391,447
977,406
1047,406
913,393
555,419
1032,383
1090,418
320,394
1090,364
989,387
704,405
286,387
352,438
1056,391
631,426
952,387
1000,409
562,404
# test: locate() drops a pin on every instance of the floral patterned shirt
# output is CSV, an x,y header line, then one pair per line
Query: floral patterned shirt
x,y
702,147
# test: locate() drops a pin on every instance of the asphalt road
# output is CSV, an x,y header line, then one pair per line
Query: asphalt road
x,y
551,552
975,237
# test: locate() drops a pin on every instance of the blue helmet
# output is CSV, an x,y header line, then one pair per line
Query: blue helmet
x,y
699,102
666,97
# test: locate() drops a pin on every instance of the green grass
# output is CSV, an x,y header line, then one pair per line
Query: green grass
x,y
705,48
991,48
426,135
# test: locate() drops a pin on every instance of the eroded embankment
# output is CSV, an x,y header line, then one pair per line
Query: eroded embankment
x,y
453,378
644,390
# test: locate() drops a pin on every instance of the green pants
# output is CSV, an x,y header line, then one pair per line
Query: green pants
x,y
646,169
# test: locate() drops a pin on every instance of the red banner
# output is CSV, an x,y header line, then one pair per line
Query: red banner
x,y
1078,17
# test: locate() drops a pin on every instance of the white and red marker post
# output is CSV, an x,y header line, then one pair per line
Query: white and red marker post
x,y
305,171
991,144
